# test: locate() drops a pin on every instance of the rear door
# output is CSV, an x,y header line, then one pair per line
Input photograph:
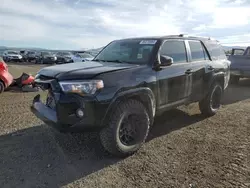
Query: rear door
x,y
200,66
174,81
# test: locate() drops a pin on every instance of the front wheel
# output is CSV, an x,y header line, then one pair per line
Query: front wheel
x,y
212,102
127,129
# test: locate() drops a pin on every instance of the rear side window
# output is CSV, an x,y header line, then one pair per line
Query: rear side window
x,y
215,50
198,53
175,49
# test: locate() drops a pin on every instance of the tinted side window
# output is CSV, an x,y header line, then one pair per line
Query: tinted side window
x,y
197,51
215,49
175,49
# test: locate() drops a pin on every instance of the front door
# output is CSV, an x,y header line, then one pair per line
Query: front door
x,y
174,81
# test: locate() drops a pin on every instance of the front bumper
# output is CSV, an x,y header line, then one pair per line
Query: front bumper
x,y
11,58
32,58
64,117
64,60
49,60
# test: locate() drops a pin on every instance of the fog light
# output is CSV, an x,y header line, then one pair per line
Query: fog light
x,y
79,113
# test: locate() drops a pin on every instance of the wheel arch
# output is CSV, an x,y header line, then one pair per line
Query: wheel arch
x,y
144,95
219,78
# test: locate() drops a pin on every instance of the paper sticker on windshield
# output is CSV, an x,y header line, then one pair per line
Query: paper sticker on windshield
x,y
148,41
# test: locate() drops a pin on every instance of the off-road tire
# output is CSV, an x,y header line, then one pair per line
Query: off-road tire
x,y
205,104
2,87
110,136
234,80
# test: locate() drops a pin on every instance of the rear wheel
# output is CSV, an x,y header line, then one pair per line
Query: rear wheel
x,y
127,129
212,102
2,87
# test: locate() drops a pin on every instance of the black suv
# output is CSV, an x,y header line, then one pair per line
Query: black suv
x,y
128,83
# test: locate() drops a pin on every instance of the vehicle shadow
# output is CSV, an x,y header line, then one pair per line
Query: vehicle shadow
x,y
172,120
40,156
237,93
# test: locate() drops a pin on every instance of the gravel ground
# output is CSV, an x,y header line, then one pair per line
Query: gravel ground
x,y
183,149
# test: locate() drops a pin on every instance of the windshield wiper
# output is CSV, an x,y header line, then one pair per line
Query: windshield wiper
x,y
116,61
99,60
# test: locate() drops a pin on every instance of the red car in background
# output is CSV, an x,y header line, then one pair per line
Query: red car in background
x,y
6,79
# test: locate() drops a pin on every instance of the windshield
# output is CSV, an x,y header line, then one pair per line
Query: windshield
x,y
31,52
130,51
12,52
85,55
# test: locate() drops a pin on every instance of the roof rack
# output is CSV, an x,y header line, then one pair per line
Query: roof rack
x,y
183,35
186,35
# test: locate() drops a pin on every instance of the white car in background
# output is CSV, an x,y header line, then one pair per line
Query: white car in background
x,y
86,56
10,55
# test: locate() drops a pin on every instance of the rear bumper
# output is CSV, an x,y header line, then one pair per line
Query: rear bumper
x,y
64,117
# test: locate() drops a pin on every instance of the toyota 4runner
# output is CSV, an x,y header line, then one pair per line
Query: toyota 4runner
x,y
128,83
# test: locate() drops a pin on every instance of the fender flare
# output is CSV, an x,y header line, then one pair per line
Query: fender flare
x,y
220,76
143,94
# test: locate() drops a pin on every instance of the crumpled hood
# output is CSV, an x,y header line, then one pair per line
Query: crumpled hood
x,y
82,70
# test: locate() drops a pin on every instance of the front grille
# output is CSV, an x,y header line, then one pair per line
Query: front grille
x,y
47,82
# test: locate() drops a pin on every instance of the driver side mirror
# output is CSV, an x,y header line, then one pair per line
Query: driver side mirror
x,y
166,61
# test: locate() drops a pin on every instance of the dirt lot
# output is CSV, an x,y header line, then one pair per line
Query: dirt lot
x,y
183,149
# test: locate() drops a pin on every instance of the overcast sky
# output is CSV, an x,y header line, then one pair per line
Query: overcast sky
x,y
77,24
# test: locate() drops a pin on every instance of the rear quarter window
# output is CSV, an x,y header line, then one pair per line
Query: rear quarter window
x,y
215,50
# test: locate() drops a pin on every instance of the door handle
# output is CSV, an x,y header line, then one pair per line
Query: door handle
x,y
210,68
189,71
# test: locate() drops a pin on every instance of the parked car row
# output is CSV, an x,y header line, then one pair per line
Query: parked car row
x,y
46,57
